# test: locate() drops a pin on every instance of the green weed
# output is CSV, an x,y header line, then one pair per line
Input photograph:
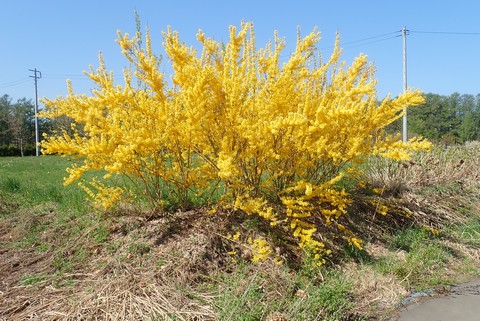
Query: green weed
x,y
67,260
113,246
100,234
31,279
410,239
139,248
11,185
250,293
423,263
469,232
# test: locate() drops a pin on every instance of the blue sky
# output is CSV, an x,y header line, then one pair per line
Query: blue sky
x,y
62,38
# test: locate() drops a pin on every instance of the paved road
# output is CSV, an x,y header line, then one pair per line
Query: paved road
x,y
461,304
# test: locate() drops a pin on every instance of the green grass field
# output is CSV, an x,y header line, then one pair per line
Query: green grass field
x,y
37,180
70,261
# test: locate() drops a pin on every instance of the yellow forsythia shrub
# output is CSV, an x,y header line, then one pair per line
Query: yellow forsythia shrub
x,y
276,138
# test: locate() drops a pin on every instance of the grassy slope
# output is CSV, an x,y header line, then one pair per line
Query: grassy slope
x,y
61,260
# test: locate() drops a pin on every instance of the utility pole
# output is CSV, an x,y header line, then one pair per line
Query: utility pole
x,y
405,130
36,75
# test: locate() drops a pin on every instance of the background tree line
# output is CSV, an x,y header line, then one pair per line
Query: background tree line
x,y
452,119
17,127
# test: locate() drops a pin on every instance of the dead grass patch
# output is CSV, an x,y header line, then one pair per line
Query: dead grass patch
x,y
374,293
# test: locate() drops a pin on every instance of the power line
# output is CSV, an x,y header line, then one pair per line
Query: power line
x,y
374,37
370,42
446,32
366,41
14,83
396,34
65,76
45,76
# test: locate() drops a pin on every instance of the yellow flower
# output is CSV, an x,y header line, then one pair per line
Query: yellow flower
x,y
236,236
382,209
356,242
261,250
362,184
378,191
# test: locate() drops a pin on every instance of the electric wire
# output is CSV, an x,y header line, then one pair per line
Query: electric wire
x,y
366,41
373,37
370,42
64,76
446,32
15,83
344,45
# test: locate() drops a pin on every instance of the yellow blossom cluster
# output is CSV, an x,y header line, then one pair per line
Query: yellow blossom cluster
x,y
260,248
274,137
105,196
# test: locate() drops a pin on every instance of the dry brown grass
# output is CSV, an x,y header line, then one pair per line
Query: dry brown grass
x,y
124,285
455,164
373,291
124,293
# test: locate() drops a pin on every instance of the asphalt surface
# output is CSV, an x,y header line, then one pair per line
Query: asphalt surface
x,y
461,304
